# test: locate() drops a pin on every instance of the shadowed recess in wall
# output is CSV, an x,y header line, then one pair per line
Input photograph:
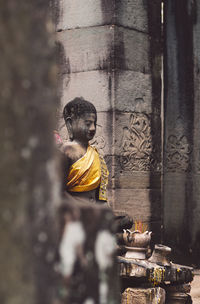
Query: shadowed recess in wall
x,y
154,29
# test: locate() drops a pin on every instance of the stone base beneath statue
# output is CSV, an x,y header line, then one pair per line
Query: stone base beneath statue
x,y
176,294
135,253
143,296
178,298
154,273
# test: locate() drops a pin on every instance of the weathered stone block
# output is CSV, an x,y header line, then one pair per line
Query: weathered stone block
x,y
131,50
88,48
175,277
144,16
143,296
135,201
132,14
92,85
85,13
133,92
135,180
106,47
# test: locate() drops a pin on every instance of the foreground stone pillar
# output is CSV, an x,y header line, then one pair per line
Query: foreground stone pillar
x,y
28,188
181,136
111,56
30,192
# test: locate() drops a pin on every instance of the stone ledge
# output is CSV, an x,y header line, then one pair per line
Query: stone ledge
x,y
154,273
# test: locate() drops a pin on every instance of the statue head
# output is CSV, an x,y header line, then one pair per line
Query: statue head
x,y
80,117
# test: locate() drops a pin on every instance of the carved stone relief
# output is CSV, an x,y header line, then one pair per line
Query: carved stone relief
x,y
138,152
178,154
99,142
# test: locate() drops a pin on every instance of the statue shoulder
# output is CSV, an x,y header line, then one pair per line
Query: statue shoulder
x,y
72,151
69,149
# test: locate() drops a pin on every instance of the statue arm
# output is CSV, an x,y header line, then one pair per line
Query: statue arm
x,y
65,164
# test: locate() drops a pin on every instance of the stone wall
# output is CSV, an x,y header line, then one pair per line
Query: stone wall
x,y
111,56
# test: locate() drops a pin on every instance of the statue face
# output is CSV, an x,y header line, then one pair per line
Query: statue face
x,y
84,127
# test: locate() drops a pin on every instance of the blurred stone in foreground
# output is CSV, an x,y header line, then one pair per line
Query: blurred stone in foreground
x,y
87,255
28,182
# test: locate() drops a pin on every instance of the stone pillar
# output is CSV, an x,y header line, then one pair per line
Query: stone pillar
x,y
181,136
28,185
111,56
30,192
137,106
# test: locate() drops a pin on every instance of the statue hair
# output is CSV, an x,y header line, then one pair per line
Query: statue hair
x,y
77,107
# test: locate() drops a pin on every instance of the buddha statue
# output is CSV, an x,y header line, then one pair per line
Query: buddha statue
x,y
85,174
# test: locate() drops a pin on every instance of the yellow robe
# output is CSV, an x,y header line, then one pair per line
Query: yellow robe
x,y
89,173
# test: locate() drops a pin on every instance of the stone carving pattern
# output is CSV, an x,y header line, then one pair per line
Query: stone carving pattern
x,y
178,154
138,152
99,142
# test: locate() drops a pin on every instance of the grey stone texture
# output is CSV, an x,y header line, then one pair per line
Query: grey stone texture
x,y
133,14
136,201
171,277
143,296
88,49
92,85
130,91
143,16
133,92
111,57
126,45
106,47
141,180
85,13
181,139
28,187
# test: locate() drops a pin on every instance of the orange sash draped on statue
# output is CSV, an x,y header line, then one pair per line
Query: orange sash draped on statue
x,y
88,173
